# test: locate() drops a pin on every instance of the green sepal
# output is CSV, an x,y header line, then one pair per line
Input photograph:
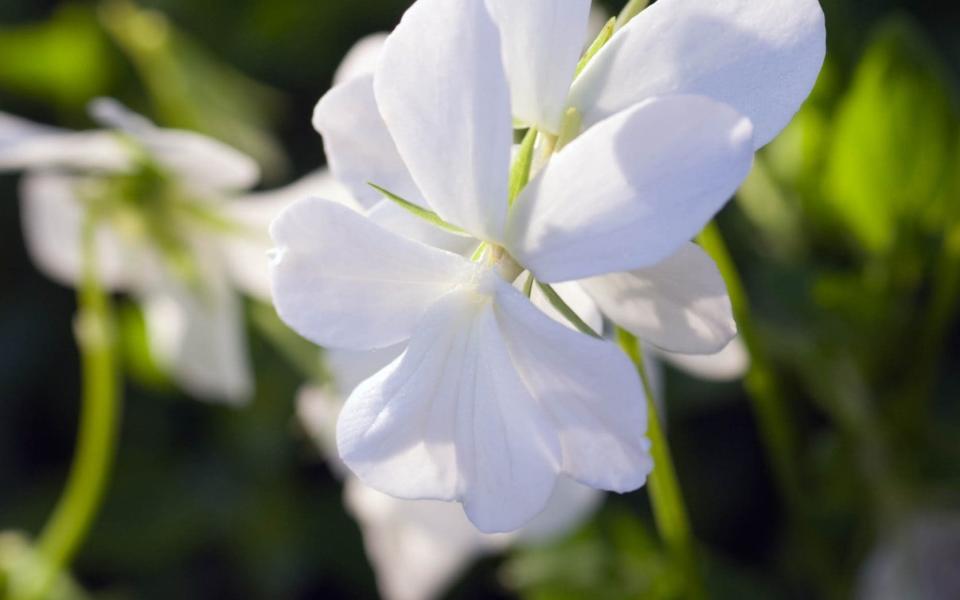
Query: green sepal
x,y
418,211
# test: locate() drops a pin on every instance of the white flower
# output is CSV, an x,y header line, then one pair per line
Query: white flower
x,y
418,547
762,58
491,399
175,231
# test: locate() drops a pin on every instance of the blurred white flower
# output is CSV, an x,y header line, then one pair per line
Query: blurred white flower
x,y
918,560
505,398
174,229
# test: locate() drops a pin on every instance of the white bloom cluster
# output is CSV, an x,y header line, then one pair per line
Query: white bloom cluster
x,y
490,400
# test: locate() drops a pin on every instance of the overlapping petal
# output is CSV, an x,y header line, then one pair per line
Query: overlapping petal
x,y
631,190
358,146
729,364
590,390
762,58
444,97
491,401
246,248
679,304
542,41
451,419
342,281
361,59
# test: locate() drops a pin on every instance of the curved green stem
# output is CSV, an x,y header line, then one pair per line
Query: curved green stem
x,y
669,509
74,514
761,381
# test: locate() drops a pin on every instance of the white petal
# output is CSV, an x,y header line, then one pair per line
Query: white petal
x,y
569,507
28,145
344,282
53,220
358,146
246,252
452,419
417,548
542,41
390,216
679,304
349,368
361,59
317,410
761,57
729,364
575,297
201,161
631,190
198,334
443,94
589,388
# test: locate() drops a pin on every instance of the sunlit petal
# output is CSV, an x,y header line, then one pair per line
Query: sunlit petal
x,y
631,190
342,281
444,96
761,57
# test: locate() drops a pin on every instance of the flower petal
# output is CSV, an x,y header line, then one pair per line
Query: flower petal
x,y
201,161
762,58
358,146
199,334
570,505
679,305
28,145
576,298
344,282
729,364
542,41
246,252
53,220
444,97
631,190
416,548
452,420
391,216
590,390
361,59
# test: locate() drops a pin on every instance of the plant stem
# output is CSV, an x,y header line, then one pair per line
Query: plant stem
x,y
669,509
761,380
97,436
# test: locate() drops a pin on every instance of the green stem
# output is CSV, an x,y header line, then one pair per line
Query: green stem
x,y
96,443
761,380
669,509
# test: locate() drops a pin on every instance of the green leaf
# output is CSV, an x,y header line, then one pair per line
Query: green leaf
x,y
893,153
66,60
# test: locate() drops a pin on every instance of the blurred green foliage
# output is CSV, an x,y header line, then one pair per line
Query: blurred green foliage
x,y
847,232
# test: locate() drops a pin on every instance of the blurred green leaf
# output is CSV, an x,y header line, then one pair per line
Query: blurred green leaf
x,y
614,556
893,151
191,89
66,60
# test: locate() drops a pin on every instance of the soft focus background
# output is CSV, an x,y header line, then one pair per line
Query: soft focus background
x,y
848,235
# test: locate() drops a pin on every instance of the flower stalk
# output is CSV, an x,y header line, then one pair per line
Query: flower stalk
x,y
761,380
97,437
669,508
